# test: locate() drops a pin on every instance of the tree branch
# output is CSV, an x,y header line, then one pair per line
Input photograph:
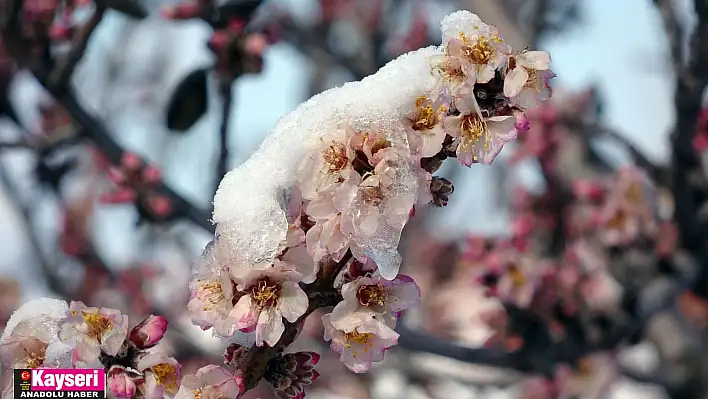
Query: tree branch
x,y
225,89
60,76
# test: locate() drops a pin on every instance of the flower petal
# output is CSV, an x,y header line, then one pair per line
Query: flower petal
x,y
293,301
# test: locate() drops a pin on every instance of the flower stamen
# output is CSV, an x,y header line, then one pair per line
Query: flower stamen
x,y
265,293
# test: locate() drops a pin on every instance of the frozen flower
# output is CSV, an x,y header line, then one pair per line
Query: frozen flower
x,y
296,215
213,293
121,382
526,81
373,141
365,203
448,73
480,139
30,338
270,295
329,162
480,54
92,330
162,375
424,127
326,237
365,344
425,179
299,258
210,382
149,332
368,298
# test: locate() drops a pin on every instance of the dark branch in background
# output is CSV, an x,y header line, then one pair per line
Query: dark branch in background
x,y
226,92
674,32
98,134
691,81
60,76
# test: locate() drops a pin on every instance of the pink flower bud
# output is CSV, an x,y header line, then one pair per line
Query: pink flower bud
x,y
131,161
218,40
255,44
522,122
149,332
180,11
151,175
159,205
59,32
120,384
116,175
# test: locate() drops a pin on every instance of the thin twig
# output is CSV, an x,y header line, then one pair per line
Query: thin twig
x,y
226,92
61,74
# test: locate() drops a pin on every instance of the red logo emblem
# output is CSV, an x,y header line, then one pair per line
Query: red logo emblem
x,y
25,375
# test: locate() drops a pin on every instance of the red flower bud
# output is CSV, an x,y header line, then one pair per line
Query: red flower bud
x,y
149,332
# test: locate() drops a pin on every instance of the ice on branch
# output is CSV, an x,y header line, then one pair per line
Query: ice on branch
x,y
249,205
336,181
325,132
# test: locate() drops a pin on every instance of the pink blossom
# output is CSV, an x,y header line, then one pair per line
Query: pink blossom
x,y
212,292
365,344
120,382
21,351
299,259
270,295
480,54
211,382
526,83
92,330
329,162
519,277
326,236
424,127
448,73
367,202
480,139
149,332
367,298
162,375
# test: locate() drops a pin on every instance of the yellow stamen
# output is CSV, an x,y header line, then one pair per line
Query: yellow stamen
x,y
210,293
369,295
265,293
481,51
35,359
166,376
97,324
335,157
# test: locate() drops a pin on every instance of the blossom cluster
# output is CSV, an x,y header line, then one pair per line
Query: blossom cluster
x,y
355,189
48,333
321,232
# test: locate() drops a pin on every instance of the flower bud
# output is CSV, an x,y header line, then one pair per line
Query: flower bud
x,y
120,383
149,332
289,373
441,188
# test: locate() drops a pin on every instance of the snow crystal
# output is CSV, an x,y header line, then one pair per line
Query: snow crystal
x,y
459,22
249,206
40,318
44,314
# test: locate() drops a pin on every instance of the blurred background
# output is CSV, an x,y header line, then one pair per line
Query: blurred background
x,y
549,274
